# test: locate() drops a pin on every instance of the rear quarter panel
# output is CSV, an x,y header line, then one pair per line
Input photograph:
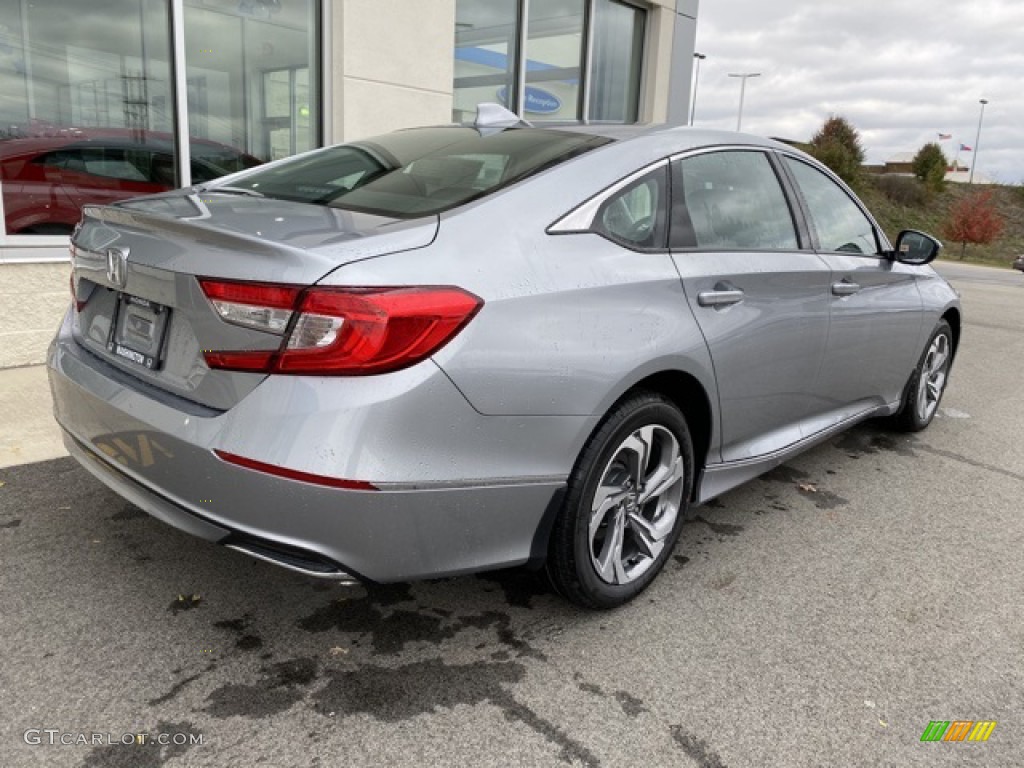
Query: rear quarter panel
x,y
570,322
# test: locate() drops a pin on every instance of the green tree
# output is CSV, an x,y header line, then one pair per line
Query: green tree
x,y
930,166
837,145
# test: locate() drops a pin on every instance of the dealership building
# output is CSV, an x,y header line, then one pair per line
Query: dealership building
x,y
105,99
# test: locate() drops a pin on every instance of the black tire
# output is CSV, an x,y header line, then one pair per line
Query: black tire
x,y
572,565
920,404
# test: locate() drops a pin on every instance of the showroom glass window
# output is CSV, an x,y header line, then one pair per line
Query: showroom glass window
x,y
618,32
535,54
554,60
251,69
87,106
486,42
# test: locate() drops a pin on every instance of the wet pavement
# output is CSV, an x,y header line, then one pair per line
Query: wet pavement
x,y
823,614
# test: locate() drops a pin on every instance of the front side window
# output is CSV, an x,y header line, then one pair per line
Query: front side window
x,y
840,223
728,201
417,172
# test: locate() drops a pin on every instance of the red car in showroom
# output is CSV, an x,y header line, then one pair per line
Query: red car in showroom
x,y
47,180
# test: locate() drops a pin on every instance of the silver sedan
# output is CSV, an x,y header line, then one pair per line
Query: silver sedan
x,y
453,349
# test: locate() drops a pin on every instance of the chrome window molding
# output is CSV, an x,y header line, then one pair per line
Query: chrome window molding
x,y
581,218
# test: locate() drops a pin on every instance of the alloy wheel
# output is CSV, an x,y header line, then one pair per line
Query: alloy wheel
x,y
933,377
636,504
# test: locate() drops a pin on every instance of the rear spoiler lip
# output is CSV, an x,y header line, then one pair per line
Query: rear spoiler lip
x,y
305,264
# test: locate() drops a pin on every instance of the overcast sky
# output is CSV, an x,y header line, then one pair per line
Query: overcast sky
x,y
901,71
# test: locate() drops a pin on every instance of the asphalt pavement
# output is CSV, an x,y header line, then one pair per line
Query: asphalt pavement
x,y
822,615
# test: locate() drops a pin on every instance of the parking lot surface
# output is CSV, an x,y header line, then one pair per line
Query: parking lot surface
x,y
822,615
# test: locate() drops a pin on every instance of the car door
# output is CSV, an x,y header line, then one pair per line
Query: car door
x,y
874,304
758,291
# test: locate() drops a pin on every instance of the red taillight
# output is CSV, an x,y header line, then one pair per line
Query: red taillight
x,y
294,474
340,331
263,306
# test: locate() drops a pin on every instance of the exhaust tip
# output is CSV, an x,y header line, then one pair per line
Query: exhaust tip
x,y
293,558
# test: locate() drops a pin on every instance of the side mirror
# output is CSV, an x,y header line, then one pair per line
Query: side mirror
x,y
915,248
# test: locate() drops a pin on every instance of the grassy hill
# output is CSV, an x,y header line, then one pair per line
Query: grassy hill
x,y
900,202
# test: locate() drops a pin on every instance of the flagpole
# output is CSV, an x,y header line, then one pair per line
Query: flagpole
x,y
977,140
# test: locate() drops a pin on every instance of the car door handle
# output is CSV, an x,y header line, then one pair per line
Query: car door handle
x,y
719,298
845,288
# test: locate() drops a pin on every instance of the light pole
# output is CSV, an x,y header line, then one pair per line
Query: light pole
x,y
696,82
743,89
977,140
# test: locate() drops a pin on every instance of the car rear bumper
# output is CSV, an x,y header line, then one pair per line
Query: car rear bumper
x,y
160,456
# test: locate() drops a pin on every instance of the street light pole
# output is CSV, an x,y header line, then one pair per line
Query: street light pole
x,y
696,82
743,89
977,140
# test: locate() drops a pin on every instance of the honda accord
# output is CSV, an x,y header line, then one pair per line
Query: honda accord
x,y
461,348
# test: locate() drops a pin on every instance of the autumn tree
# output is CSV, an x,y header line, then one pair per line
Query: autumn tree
x,y
975,220
837,144
930,166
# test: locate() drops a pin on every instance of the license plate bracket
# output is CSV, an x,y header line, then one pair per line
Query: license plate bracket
x,y
138,331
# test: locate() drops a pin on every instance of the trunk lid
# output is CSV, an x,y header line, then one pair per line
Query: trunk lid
x,y
135,269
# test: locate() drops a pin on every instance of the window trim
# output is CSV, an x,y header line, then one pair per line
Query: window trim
x,y
796,212
579,220
881,240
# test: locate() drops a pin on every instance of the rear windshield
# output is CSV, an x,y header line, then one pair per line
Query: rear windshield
x,y
417,172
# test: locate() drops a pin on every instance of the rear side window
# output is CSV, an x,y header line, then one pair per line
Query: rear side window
x,y
635,216
839,222
417,172
728,201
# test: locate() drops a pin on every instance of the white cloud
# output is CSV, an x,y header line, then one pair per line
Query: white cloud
x,y
900,70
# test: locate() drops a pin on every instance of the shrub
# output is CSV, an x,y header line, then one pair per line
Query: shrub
x,y
903,190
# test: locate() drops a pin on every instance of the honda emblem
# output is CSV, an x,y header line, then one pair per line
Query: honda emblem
x,y
117,266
